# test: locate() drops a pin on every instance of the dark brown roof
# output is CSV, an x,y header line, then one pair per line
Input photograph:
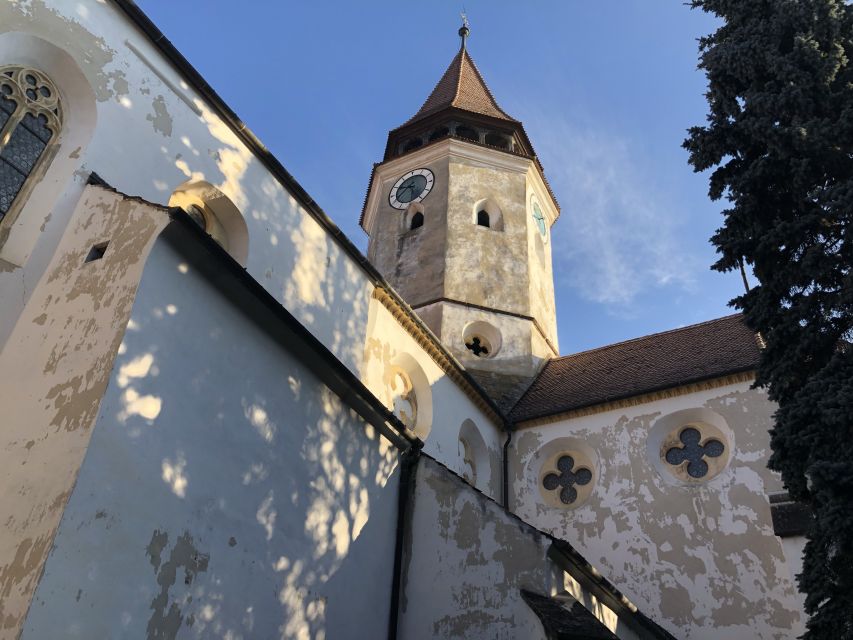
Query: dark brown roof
x,y
461,87
651,363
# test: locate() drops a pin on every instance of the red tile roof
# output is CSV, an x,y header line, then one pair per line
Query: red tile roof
x,y
651,363
462,87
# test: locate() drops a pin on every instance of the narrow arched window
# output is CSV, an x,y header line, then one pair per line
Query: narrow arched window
x,y
30,120
483,218
417,220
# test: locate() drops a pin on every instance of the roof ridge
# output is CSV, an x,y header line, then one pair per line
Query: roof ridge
x,y
461,55
483,83
643,337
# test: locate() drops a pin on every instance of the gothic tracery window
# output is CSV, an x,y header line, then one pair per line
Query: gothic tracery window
x,y
30,121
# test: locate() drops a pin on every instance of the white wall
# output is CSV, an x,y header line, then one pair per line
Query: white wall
x,y
225,491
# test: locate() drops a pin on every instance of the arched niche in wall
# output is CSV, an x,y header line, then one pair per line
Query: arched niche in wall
x,y
20,232
565,472
493,215
215,213
691,446
414,217
409,394
474,458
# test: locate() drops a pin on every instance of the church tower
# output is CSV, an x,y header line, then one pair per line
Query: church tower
x,y
459,216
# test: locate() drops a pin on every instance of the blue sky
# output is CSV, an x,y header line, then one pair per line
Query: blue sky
x,y
606,91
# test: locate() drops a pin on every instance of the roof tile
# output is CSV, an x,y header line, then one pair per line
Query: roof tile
x,y
462,87
651,363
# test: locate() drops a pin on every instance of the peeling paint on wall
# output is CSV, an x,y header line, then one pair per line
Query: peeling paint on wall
x,y
698,557
164,623
160,119
53,373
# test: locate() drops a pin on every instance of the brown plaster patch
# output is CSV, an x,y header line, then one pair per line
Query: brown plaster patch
x,y
165,623
160,119
20,575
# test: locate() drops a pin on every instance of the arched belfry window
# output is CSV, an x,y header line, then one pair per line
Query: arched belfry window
x,y
483,218
30,121
417,220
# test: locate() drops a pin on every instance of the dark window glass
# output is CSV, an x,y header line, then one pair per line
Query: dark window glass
x,y
417,220
441,132
414,143
467,132
20,155
7,105
11,181
496,140
483,218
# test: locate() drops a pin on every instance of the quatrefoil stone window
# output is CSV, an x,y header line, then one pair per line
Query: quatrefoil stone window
x,y
694,453
566,478
478,346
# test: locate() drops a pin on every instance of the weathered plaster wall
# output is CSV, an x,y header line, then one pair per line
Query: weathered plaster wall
x,y
699,558
53,372
541,266
466,562
447,406
486,266
225,492
413,261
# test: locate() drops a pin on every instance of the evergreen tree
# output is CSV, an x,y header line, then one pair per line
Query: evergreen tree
x,y
779,139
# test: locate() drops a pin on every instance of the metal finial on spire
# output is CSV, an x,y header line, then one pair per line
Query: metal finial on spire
x,y
464,30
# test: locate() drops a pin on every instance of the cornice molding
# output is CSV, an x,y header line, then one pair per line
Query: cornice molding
x,y
633,401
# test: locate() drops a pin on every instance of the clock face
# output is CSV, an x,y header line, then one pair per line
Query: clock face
x,y
539,219
413,186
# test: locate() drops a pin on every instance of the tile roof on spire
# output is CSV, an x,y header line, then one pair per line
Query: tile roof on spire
x,y
461,87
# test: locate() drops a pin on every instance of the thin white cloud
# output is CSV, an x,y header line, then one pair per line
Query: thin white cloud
x,y
617,237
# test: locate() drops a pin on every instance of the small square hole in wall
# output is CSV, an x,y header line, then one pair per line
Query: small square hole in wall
x,y
97,252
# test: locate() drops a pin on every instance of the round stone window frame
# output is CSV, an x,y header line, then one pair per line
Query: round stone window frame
x,y
665,435
544,462
488,334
